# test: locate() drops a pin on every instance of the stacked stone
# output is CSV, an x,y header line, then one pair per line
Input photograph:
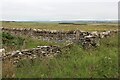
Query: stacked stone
x,y
88,39
40,51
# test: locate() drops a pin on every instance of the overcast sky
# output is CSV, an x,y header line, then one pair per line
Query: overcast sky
x,y
59,9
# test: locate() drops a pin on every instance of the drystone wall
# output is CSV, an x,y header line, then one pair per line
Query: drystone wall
x,y
40,51
86,39
76,36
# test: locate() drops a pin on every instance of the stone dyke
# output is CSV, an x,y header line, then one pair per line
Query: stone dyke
x,y
86,39
40,51
83,37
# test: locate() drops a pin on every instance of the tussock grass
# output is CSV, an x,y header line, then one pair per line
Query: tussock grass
x,y
101,62
76,62
8,69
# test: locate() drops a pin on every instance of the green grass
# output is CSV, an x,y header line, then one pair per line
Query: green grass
x,y
32,43
76,63
12,42
56,26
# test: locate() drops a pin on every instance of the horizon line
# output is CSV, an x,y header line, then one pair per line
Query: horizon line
x,y
68,20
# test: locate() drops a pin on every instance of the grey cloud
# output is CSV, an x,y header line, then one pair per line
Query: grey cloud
x,y
58,9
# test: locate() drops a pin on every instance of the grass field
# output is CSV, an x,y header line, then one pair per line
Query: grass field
x,y
100,62
76,62
64,27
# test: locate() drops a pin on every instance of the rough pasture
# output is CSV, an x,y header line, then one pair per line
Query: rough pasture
x,y
75,61
63,27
